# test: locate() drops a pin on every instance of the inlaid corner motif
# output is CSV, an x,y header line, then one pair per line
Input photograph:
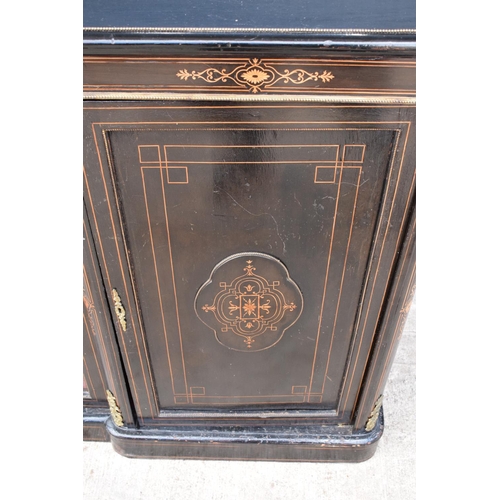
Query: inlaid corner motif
x,y
255,75
249,312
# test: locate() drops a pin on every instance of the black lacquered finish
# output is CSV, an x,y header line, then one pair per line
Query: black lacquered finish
x,y
250,197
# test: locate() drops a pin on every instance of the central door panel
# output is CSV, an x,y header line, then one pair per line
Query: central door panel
x,y
265,228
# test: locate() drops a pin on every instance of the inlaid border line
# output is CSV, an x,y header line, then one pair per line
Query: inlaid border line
x,y
85,276
326,61
394,338
294,129
88,378
167,227
157,282
285,161
395,254
327,273
91,329
105,140
366,284
342,279
373,93
98,152
398,334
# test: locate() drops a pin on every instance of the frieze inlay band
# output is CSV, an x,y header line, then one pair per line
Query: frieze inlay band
x,y
255,75
249,312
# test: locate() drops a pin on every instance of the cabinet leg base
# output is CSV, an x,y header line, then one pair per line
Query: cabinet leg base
x,y
321,443
94,424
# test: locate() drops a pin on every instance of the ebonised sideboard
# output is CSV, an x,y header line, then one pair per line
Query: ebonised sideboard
x,y
249,224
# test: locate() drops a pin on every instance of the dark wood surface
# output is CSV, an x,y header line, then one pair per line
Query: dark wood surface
x,y
393,318
335,28
277,14
250,196
173,222
305,443
93,369
102,361
321,74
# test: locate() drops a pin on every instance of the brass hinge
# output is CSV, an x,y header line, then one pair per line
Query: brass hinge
x,y
116,414
119,309
372,419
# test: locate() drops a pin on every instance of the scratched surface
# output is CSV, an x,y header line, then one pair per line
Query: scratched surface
x,y
176,190
388,475
382,14
194,195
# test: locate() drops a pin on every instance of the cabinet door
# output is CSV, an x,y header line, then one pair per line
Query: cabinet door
x,y
247,248
94,385
103,377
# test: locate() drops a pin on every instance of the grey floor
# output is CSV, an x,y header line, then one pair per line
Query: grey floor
x,y
390,474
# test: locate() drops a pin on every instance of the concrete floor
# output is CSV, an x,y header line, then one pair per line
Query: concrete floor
x,y
389,475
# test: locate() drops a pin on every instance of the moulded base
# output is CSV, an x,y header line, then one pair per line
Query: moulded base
x,y
320,443
94,424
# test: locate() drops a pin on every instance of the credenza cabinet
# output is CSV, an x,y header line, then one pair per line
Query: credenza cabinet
x,y
249,239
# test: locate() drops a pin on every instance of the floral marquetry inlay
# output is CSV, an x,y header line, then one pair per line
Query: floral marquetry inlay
x,y
256,75
249,311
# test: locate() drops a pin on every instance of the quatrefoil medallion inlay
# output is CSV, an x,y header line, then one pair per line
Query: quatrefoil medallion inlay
x,y
249,312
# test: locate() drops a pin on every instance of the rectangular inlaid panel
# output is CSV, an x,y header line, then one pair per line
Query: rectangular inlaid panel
x,y
271,228
251,246
249,75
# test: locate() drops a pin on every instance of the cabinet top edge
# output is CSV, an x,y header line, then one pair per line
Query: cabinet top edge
x,y
251,15
165,41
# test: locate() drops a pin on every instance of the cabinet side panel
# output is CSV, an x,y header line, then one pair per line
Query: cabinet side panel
x,y
389,333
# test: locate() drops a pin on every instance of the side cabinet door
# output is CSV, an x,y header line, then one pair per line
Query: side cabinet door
x,y
103,376
94,384
248,248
